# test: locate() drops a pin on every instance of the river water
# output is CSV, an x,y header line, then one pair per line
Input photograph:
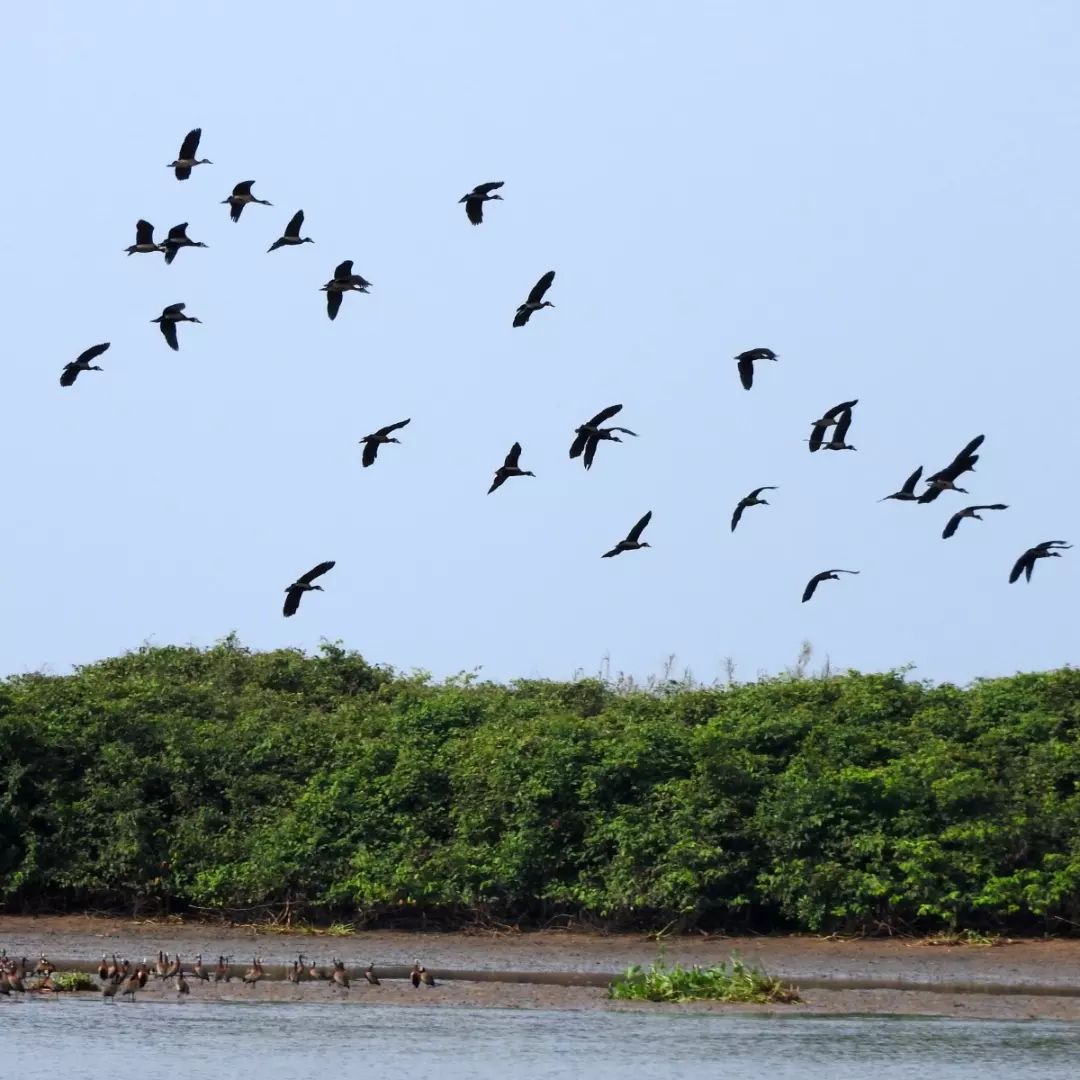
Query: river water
x,y
84,1037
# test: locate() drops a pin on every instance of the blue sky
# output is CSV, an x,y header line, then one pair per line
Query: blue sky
x,y
884,194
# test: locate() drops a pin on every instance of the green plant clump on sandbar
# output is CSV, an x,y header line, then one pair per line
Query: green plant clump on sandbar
x,y
737,982
73,981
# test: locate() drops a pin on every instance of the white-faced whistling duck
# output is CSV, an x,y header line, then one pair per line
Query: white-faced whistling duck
x,y
343,281
240,197
750,500
907,492
509,468
838,414
1026,563
632,541
369,974
837,442
222,972
46,985
295,971
302,585
316,972
144,239
103,968
177,239
175,968
113,969
291,237
420,974
82,363
162,965
339,976
969,512
825,575
142,973
199,969
945,480
373,441
108,989
746,364
255,972
182,987
130,985
536,299
589,436
186,159
474,201
168,320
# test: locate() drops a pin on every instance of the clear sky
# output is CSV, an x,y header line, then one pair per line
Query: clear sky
x,y
885,194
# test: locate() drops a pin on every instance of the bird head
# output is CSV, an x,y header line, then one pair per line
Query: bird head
x,y
193,319
527,473
307,240
204,161
763,502
499,197
319,587
94,367
964,490
547,303
398,441
644,543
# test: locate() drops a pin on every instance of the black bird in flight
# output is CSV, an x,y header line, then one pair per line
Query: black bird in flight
x,y
825,575
240,197
343,281
373,441
750,500
144,239
167,321
840,415
746,364
536,299
297,589
509,468
177,239
82,363
969,512
945,479
474,201
632,541
1026,563
591,434
291,237
186,159
907,492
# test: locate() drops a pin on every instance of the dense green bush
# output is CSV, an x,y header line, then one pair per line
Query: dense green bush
x,y
180,779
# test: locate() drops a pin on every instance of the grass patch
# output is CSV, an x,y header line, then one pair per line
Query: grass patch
x,y
73,980
736,981
333,930
966,937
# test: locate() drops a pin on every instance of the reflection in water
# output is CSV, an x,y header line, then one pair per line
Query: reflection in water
x,y
88,1036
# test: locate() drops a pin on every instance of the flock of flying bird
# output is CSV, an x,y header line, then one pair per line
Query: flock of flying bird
x,y
587,437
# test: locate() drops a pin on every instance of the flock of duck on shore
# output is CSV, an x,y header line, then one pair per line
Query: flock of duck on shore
x,y
120,978
587,437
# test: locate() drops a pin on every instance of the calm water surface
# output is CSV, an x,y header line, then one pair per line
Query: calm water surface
x,y
293,1042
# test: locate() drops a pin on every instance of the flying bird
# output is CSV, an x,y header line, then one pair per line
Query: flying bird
x,y
825,575
373,441
474,201
838,414
240,197
82,363
508,468
591,434
144,239
746,364
945,479
1026,563
969,512
343,281
291,236
167,321
186,159
536,299
907,492
292,601
177,239
632,541
750,500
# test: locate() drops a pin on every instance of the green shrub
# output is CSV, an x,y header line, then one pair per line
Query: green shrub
x,y
737,983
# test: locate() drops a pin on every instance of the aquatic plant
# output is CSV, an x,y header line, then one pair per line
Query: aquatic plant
x,y
734,982
73,980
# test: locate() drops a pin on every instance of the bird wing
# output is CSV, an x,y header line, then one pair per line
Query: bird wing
x,y
173,309
235,210
333,302
474,210
343,270
70,374
844,406
243,188
178,232
1046,545
314,572
511,461
183,172
190,146
757,491
842,426
929,495
991,506
579,444
954,524
614,551
812,584
371,449
738,514
144,232
500,479
602,415
170,252
1024,562
970,448
639,528
911,481
293,228
746,371
484,189
591,443
92,353
624,430
168,328
292,601
392,427
541,287
522,316
816,437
